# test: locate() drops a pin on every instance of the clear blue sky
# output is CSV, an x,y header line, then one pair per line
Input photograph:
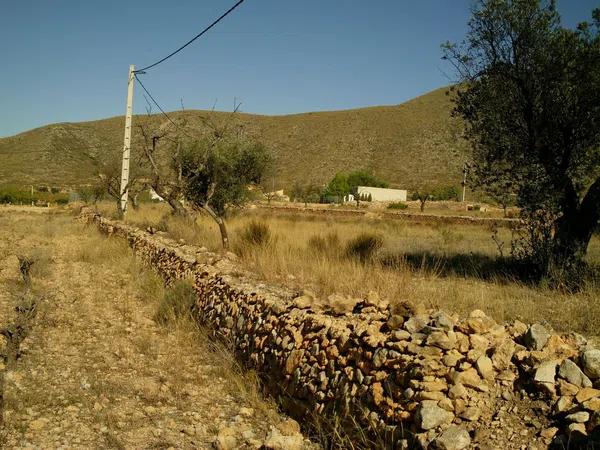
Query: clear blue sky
x,y
67,60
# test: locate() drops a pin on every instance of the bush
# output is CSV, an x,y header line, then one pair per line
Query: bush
x,y
364,246
178,302
256,234
397,205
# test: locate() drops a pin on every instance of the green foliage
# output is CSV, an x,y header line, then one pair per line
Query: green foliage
x,y
338,187
364,246
364,178
530,99
397,205
444,193
307,193
21,195
217,174
90,194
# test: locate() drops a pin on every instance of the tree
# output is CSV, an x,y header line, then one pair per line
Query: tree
x,y
338,187
307,193
422,195
530,100
217,173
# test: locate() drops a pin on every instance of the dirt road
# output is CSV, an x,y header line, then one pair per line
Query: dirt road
x,y
96,370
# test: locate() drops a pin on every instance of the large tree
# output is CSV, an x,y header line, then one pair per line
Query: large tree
x,y
529,94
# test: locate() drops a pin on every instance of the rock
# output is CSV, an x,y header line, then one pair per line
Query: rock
x,y
443,321
546,372
305,301
458,391
485,368
577,428
395,321
452,358
440,339
277,441
453,438
592,404
549,433
289,427
503,354
38,424
566,388
573,374
469,378
586,394
536,337
293,360
340,304
373,299
591,363
430,416
226,440
563,404
471,414
416,323
579,417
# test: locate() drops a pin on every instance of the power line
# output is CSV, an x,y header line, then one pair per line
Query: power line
x,y
160,108
193,39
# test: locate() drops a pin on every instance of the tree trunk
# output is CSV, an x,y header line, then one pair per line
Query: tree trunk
x,y
222,227
573,231
177,207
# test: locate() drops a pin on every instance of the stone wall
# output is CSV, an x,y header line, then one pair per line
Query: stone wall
x,y
406,377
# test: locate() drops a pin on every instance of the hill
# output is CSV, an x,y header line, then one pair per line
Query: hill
x,y
409,144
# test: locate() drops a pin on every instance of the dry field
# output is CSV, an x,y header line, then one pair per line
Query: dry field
x,y
105,357
451,267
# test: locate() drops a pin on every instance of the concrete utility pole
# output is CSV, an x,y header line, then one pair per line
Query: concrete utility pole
x,y
127,141
464,183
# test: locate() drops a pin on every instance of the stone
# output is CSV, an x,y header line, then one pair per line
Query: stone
x,y
573,374
577,428
557,348
563,404
441,339
395,321
401,335
536,337
293,360
304,301
277,441
480,325
452,438
443,321
566,388
591,363
226,440
579,417
503,354
373,299
452,358
485,368
549,433
288,427
478,342
416,323
341,304
546,372
469,378
431,416
592,404
471,414
587,394
458,391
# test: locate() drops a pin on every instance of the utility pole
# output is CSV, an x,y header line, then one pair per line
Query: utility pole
x,y
464,182
127,142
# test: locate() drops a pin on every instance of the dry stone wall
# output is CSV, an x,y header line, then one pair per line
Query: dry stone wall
x,y
405,376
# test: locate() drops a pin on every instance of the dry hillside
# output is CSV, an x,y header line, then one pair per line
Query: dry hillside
x,y
415,142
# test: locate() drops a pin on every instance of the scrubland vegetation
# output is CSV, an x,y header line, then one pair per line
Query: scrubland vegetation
x,y
453,267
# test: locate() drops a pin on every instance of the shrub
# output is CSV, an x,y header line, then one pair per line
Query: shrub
x,y
177,302
256,233
364,246
397,205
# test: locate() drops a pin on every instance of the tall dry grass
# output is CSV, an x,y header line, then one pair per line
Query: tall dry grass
x,y
451,267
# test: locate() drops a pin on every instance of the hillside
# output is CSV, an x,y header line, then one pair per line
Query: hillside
x,y
408,144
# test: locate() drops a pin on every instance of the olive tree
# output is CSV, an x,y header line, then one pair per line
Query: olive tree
x,y
217,174
529,95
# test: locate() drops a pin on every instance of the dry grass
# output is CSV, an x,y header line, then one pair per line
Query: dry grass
x,y
452,267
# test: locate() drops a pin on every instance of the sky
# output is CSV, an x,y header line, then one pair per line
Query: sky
x,y
67,60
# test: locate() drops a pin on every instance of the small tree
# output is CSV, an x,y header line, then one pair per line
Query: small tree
x,y
530,99
338,187
217,174
422,195
307,193
363,178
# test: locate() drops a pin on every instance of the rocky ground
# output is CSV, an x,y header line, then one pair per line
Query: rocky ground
x,y
95,370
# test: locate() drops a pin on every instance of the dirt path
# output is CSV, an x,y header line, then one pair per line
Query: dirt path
x,y
97,371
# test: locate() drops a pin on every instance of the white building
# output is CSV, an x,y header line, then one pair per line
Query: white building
x,y
383,194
